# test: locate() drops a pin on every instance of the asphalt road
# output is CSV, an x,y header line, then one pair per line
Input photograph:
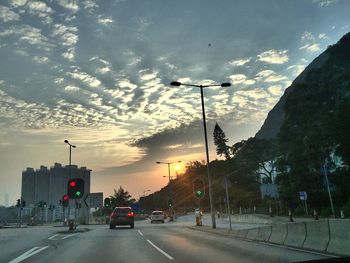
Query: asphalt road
x,y
169,242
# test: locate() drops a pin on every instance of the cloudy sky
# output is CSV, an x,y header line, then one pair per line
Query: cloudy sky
x,y
97,73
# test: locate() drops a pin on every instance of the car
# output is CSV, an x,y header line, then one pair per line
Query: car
x,y
157,216
122,216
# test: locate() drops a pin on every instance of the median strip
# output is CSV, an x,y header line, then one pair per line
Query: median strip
x,y
160,250
28,254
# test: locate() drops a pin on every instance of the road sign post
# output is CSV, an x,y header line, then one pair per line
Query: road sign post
x,y
303,197
228,200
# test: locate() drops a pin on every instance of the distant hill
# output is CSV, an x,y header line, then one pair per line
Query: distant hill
x,y
276,116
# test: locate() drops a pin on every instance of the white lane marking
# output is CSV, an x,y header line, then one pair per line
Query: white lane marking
x,y
28,254
161,251
51,238
68,236
60,237
23,256
299,249
140,232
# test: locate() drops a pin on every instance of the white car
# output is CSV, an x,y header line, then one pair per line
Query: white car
x,y
157,216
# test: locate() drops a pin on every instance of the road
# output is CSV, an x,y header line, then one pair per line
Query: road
x,y
169,242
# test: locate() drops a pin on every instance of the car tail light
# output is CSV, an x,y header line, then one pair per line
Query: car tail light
x,y
131,214
113,215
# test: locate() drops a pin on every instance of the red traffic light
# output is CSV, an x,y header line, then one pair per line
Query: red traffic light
x,y
65,197
75,189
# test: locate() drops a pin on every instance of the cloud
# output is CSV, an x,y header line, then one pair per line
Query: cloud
x,y
71,88
7,15
307,36
269,75
240,62
71,5
275,90
69,55
28,34
67,34
241,79
145,76
85,78
18,3
323,36
103,70
40,60
296,69
311,47
323,3
103,20
41,10
274,56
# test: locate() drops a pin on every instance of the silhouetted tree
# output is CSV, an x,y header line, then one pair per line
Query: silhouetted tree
x,y
121,198
220,142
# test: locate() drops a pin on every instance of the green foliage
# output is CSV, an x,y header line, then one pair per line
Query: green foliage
x,y
316,125
220,141
121,198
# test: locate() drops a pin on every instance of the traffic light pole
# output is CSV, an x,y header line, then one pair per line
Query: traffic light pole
x,y
20,216
63,215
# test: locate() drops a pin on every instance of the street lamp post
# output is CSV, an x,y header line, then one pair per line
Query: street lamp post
x,y
70,175
168,167
70,156
177,84
172,214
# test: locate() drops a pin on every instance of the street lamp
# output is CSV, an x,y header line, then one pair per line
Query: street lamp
x,y
168,167
70,155
177,84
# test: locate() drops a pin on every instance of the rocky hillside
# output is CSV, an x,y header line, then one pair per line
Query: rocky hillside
x,y
276,116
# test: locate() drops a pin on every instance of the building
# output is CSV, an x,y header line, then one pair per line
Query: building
x,y
48,186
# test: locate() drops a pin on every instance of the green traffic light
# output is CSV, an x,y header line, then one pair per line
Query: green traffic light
x,y
78,193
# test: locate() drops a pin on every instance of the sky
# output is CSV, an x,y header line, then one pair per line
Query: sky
x,y
97,73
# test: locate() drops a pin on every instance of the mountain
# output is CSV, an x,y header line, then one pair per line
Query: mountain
x,y
276,116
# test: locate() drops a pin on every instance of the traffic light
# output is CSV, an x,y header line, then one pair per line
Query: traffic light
x,y
18,203
107,202
198,188
44,205
23,203
170,202
65,200
75,188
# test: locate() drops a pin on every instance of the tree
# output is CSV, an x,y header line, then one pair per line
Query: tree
x,y
256,156
121,198
220,142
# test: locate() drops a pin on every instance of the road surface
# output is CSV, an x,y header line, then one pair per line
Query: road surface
x,y
169,242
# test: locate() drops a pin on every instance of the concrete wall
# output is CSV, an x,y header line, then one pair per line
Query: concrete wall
x,y
340,236
264,233
279,233
296,234
252,233
328,235
317,235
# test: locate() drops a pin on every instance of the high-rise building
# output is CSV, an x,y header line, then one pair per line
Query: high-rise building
x,y
49,185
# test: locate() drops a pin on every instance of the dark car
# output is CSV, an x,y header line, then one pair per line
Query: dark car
x,y
121,216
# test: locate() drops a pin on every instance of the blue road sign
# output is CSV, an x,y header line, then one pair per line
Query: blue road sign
x,y
303,196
